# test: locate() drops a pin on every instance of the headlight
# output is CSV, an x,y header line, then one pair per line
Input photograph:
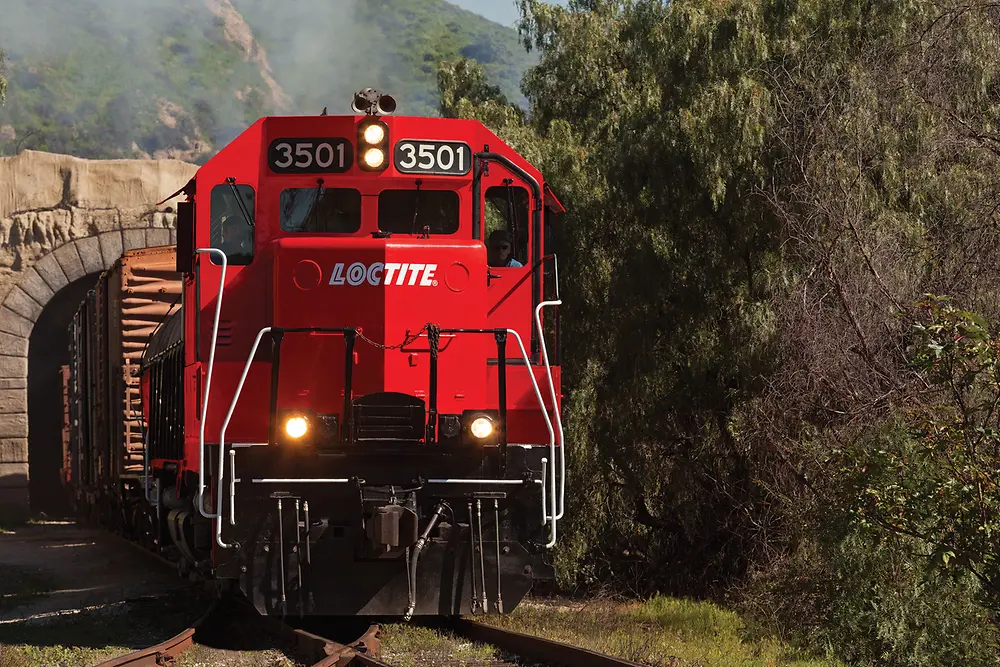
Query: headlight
x,y
374,157
373,145
296,427
374,134
481,427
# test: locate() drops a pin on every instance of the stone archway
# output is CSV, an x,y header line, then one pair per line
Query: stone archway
x,y
63,219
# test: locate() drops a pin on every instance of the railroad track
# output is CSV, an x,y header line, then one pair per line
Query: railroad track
x,y
535,649
318,651
304,646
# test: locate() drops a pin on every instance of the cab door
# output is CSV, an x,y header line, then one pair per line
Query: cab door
x,y
508,235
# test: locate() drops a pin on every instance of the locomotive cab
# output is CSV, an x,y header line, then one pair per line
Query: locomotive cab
x,y
371,391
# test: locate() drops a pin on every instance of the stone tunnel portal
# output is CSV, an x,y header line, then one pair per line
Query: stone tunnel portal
x,y
48,350
63,220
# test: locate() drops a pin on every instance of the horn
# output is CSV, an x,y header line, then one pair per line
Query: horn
x,y
359,105
386,104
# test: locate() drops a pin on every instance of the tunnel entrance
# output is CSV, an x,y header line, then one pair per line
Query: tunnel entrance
x,y
48,351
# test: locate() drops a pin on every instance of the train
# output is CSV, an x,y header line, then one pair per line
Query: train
x,y
339,393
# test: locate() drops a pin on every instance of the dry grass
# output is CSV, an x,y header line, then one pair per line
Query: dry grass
x,y
664,632
405,645
203,656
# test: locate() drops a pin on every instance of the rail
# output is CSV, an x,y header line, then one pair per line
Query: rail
x,y
165,652
307,647
536,649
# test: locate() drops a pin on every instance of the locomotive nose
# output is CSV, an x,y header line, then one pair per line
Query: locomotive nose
x,y
388,297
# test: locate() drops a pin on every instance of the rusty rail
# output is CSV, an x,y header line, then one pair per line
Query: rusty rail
x,y
536,649
164,652
319,651
363,652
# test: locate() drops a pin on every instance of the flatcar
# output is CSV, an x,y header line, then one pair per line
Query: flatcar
x,y
342,394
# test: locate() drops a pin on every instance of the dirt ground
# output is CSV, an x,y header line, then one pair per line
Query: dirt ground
x,y
76,596
54,568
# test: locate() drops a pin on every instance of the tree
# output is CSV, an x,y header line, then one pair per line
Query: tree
x,y
759,194
670,318
941,484
465,80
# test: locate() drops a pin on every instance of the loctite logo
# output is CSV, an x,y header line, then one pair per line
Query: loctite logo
x,y
389,273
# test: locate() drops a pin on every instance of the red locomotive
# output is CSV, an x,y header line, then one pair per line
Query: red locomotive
x,y
352,407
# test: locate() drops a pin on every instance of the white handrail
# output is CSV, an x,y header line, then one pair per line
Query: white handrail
x,y
548,424
208,387
222,437
555,408
239,390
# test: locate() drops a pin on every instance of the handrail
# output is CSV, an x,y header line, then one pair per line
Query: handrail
x,y
562,442
239,390
208,388
222,437
556,514
548,424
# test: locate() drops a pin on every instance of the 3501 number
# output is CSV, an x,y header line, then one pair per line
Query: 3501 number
x,y
450,158
310,156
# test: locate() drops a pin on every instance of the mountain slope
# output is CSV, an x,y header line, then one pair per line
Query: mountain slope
x,y
392,45
133,78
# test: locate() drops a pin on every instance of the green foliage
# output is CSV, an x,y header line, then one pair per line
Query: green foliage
x,y
466,80
870,599
939,485
758,192
669,317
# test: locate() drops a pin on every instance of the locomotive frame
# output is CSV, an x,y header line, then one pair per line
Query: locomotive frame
x,y
375,426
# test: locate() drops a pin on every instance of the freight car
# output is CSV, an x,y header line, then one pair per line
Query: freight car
x,y
108,337
340,399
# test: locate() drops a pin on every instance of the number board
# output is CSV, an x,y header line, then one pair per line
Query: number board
x,y
446,158
303,155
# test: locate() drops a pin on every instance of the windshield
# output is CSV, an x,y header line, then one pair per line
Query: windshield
x,y
231,229
320,210
411,211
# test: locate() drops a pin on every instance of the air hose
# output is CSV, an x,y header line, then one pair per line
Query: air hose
x,y
418,547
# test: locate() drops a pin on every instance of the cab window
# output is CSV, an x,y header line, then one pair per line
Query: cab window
x,y
506,226
418,211
320,210
231,228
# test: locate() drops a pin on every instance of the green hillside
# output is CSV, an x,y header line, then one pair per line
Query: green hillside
x,y
134,78
392,45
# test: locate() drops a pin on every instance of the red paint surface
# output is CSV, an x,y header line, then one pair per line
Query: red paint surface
x,y
288,285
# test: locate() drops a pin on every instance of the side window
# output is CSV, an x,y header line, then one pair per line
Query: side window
x,y
505,219
319,210
553,226
232,225
553,223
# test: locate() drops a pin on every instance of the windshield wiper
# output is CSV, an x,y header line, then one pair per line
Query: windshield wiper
x,y
315,204
416,209
512,217
239,201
